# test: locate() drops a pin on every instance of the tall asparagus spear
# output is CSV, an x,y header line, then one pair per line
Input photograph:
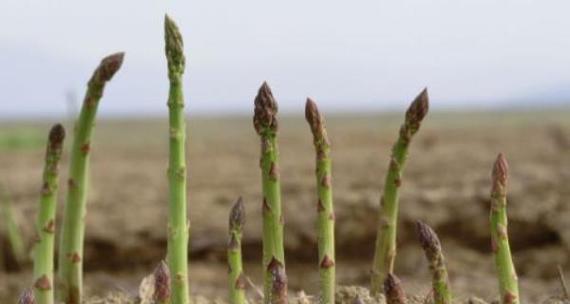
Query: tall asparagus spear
x,y
71,247
44,251
432,248
237,280
178,220
508,282
265,123
325,202
385,252
393,290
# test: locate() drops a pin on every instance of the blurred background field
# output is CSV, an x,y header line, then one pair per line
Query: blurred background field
x,y
446,184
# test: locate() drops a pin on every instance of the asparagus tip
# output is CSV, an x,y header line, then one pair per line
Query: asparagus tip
x,y
56,135
108,67
161,283
312,115
393,290
174,46
428,239
237,215
265,110
27,297
418,109
500,171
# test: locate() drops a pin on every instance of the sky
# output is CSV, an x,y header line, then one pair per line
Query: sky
x,y
350,56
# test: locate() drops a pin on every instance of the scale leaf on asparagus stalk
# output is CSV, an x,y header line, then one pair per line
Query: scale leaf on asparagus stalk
x,y
325,207
237,281
178,224
508,282
385,249
265,123
70,275
45,226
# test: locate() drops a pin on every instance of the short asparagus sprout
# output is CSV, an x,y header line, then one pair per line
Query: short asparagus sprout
x,y
393,290
508,282
45,226
432,248
27,297
161,277
178,227
70,272
385,251
237,281
265,123
324,204
278,283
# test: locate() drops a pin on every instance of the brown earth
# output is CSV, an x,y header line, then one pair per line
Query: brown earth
x,y
446,184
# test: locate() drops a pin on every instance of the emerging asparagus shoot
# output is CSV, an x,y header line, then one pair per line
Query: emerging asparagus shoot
x,y
45,226
27,297
237,281
178,225
161,276
265,123
324,204
508,282
393,290
71,247
385,251
432,248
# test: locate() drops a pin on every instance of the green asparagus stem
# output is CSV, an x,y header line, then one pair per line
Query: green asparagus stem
x,y
325,203
385,252
178,219
432,248
237,281
265,123
45,227
161,276
27,297
393,290
70,272
508,281
15,239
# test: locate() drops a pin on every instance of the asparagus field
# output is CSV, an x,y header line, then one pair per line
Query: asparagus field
x,y
417,216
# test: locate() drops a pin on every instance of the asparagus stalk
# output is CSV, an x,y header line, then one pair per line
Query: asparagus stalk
x,y
393,290
432,248
178,220
325,203
73,230
508,282
45,227
385,251
265,123
161,276
237,282
27,297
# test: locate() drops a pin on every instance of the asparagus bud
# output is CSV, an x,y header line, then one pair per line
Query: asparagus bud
x,y
433,252
279,282
265,123
325,203
178,225
508,282
161,276
393,290
27,297
237,281
73,230
385,251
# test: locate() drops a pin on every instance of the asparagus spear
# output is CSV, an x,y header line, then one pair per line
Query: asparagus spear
x,y
265,123
278,283
325,202
161,276
237,280
393,290
508,282
71,247
15,239
44,251
27,297
178,220
432,248
385,251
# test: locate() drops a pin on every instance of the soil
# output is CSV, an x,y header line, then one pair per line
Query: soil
x,y
446,184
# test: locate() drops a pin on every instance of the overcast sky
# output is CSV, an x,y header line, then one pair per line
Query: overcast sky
x,y
348,55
